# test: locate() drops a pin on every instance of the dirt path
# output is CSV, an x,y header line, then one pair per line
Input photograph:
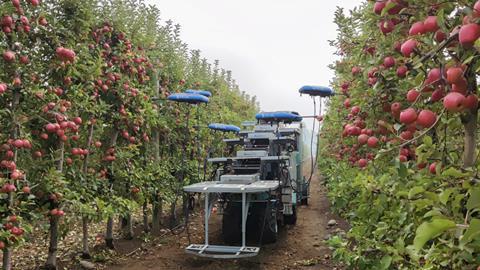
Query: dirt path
x,y
298,247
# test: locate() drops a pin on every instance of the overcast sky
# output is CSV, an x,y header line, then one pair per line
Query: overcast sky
x,y
273,47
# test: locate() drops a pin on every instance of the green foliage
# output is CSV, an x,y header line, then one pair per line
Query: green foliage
x,y
130,145
416,204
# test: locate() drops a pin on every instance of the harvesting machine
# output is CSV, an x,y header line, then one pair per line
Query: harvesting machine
x,y
260,186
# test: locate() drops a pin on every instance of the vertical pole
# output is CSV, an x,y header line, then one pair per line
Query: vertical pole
x,y
207,210
244,218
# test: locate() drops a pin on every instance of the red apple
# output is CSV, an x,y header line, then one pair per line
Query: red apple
x,y
437,95
372,142
9,56
386,26
433,168
355,110
77,120
378,7
395,6
408,47
417,28
454,75
3,88
389,62
440,36
412,95
406,135
426,118
430,24
356,70
476,8
408,116
362,163
402,71
362,139
454,101
460,87
468,34
434,76
471,102
396,107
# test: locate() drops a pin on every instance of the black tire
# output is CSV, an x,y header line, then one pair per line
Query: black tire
x,y
291,219
304,201
265,216
232,223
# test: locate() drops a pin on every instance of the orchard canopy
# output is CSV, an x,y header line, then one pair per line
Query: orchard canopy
x,y
399,145
86,130
87,133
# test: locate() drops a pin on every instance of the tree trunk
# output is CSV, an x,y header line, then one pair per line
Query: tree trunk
x,y
157,206
146,227
51,263
85,249
109,234
470,126
54,221
157,213
470,123
173,214
128,229
85,220
7,252
7,259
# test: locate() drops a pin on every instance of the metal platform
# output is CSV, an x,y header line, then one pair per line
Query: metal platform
x,y
222,252
227,252
218,187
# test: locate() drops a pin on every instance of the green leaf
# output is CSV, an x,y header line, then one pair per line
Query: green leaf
x,y
474,200
402,170
385,262
389,6
433,213
415,191
419,79
452,172
427,140
429,230
445,195
469,59
472,232
441,19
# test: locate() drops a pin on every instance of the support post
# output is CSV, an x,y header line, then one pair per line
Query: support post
x,y
244,218
207,210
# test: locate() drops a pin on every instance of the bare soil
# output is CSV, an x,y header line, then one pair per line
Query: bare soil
x,y
298,247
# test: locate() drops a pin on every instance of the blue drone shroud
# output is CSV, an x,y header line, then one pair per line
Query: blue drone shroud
x,y
223,127
316,91
200,92
188,98
279,116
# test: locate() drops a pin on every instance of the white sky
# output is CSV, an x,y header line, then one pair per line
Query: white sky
x,y
273,47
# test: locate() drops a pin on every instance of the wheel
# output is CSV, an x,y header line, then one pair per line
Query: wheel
x,y
265,216
232,223
291,219
304,201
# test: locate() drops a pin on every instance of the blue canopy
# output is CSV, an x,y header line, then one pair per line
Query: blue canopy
x,y
223,127
316,91
188,98
279,116
200,92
